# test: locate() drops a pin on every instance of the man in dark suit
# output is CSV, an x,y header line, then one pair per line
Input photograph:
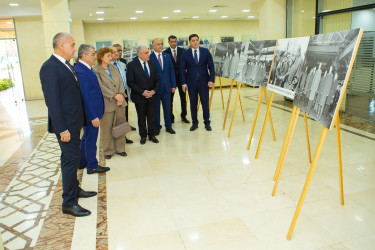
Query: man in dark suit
x,y
143,80
197,74
66,116
167,84
94,108
176,52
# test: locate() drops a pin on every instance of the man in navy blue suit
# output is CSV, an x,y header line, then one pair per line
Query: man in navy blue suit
x,y
94,108
167,84
66,117
197,74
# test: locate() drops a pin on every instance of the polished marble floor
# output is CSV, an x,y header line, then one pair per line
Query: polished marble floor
x,y
193,190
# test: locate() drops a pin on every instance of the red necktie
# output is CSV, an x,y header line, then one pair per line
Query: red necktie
x,y
159,59
174,55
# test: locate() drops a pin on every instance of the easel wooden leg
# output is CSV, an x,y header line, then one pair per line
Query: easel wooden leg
x,y
282,153
255,118
221,91
199,102
273,130
226,113
187,96
307,137
243,114
264,124
286,152
340,159
212,96
235,107
307,183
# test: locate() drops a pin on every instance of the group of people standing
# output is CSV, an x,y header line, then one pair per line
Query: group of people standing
x,y
96,93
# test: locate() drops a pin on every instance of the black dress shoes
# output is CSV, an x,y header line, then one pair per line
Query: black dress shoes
x,y
170,130
128,141
143,140
157,132
133,128
194,127
86,194
208,127
98,170
76,211
185,120
108,157
82,166
153,139
123,154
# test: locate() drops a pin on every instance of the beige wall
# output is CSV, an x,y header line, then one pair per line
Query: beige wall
x,y
143,31
32,53
76,29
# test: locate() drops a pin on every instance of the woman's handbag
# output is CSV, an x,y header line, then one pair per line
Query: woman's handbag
x,y
121,129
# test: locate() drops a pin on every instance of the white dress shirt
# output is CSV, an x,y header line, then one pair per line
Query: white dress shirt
x,y
161,58
194,52
148,68
63,60
84,63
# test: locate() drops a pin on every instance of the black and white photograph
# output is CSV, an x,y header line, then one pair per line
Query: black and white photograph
x,y
129,54
286,70
231,60
324,74
212,47
255,62
220,57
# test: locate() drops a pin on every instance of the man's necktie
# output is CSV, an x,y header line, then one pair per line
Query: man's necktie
x,y
195,56
72,69
159,60
146,71
174,55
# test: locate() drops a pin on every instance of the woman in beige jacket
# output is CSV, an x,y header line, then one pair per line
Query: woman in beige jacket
x,y
114,97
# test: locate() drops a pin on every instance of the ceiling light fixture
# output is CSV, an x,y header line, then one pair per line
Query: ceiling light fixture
x,y
99,12
133,18
177,11
100,19
14,4
251,17
245,11
9,22
195,17
165,17
90,14
139,11
224,16
212,11
302,11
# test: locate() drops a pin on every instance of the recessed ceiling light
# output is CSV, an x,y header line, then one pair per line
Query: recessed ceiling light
x,y
195,17
251,17
14,4
177,11
245,10
100,19
212,11
165,17
302,11
313,17
139,11
224,16
133,18
100,12
9,22
90,14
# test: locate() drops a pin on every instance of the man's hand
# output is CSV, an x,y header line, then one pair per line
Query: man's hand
x,y
65,136
96,122
152,92
184,88
119,97
173,90
210,84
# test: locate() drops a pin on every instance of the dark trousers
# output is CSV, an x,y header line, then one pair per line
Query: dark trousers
x,y
165,99
183,103
88,146
127,109
203,91
70,157
146,111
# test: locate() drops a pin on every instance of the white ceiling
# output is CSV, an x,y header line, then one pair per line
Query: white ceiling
x,y
154,10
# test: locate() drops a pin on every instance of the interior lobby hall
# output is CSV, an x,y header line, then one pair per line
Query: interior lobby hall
x,y
194,189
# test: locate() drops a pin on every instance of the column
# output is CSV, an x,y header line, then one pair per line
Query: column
x,y
272,19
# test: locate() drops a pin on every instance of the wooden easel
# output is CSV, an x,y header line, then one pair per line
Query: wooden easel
x,y
238,97
229,97
212,93
262,91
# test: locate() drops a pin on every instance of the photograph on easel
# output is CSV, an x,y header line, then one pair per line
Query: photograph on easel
x,y
220,58
286,70
324,74
212,47
230,66
255,62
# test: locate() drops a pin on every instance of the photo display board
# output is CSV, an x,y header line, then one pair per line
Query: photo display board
x,y
221,57
286,69
325,73
255,62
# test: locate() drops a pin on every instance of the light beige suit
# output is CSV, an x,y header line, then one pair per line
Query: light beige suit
x,y
110,87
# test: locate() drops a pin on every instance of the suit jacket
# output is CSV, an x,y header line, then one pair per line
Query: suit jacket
x,y
123,60
110,86
176,65
167,78
189,69
91,92
138,82
63,98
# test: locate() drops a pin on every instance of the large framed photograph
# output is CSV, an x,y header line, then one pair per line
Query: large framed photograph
x,y
102,44
220,57
286,70
129,44
325,73
232,59
255,62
